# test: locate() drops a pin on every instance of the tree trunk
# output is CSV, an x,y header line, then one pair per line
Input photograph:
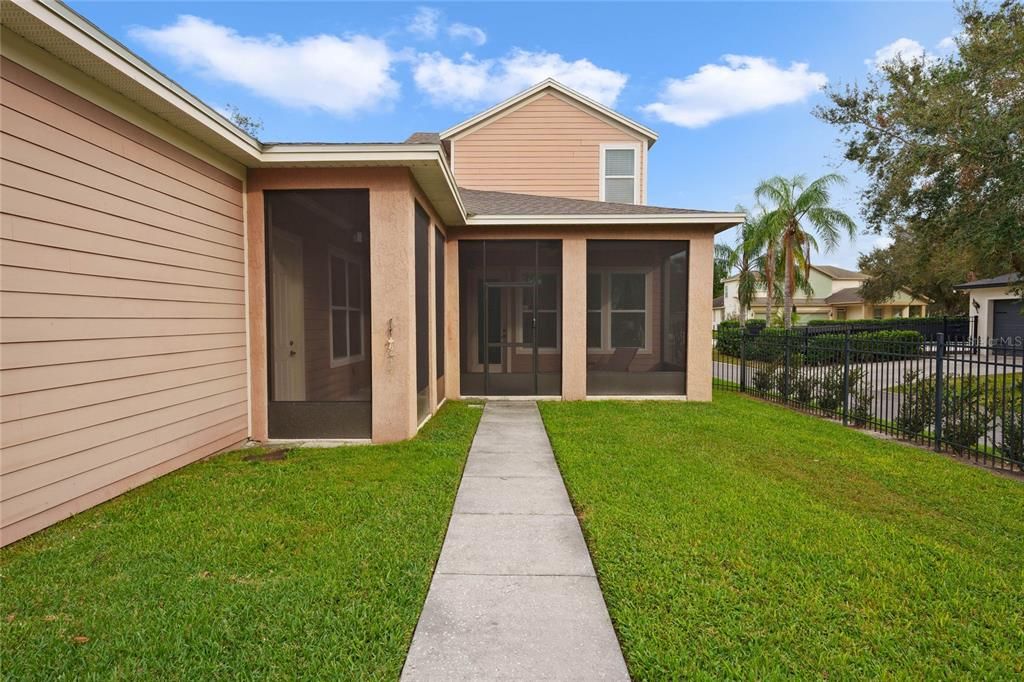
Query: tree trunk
x,y
790,283
769,285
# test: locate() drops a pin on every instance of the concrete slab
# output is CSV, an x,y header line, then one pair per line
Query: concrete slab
x,y
514,628
499,544
508,464
514,594
512,495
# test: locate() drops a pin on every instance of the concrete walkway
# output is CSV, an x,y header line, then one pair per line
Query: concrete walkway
x,y
514,595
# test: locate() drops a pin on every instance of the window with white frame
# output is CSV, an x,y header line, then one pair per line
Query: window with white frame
x,y
619,177
346,309
547,312
617,310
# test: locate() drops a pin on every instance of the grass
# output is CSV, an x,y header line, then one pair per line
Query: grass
x,y
312,567
741,539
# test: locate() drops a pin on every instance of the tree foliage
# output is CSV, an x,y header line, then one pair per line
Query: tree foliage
x,y
941,141
249,124
802,214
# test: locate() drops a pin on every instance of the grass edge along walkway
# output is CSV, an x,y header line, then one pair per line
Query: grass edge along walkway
x,y
741,539
314,566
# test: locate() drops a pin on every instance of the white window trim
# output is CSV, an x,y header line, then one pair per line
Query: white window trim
x,y
636,147
606,306
518,321
332,253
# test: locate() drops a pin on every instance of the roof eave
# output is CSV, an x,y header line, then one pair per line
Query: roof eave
x,y
84,35
426,163
472,122
720,221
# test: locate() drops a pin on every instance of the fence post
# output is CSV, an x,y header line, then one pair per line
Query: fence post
x,y
785,369
743,360
940,347
846,378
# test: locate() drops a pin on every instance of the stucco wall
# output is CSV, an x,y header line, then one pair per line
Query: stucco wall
x,y
122,292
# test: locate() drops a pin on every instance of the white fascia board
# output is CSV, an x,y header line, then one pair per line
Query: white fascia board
x,y
719,219
73,26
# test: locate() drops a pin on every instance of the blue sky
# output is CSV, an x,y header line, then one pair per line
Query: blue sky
x,y
379,71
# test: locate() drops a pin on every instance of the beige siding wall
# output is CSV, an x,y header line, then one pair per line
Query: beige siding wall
x,y
123,339
547,146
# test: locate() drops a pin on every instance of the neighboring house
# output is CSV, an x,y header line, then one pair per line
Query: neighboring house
x,y
997,309
717,311
172,287
834,296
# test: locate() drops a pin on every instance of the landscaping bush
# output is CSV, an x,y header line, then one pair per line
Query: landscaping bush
x,y
763,379
728,338
1011,424
803,389
830,390
965,416
864,346
755,326
917,411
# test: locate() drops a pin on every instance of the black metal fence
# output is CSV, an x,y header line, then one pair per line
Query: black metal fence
x,y
964,396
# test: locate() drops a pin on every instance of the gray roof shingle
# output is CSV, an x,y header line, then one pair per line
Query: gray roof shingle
x,y
840,273
481,202
997,281
845,296
424,138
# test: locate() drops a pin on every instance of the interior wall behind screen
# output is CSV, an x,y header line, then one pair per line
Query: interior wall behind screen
x,y
318,263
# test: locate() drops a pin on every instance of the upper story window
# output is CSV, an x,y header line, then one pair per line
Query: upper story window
x,y
620,173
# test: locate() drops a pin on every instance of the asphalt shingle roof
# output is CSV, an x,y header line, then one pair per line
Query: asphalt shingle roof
x,y
481,202
845,296
424,138
1000,280
840,273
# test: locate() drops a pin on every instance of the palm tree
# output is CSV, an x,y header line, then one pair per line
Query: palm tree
x,y
797,202
743,257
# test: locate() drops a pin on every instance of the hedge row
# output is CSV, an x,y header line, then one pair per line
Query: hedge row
x,y
895,321
770,345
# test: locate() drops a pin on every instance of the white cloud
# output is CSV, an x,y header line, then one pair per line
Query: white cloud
x,y
474,34
424,23
947,43
905,49
338,75
741,85
470,81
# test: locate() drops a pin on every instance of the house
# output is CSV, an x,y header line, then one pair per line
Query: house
x,y
834,295
997,309
172,287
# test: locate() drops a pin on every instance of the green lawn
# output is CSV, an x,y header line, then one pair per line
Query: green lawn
x,y
741,539
316,566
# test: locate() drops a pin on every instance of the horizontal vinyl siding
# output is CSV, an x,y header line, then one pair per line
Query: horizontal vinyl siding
x,y
122,340
547,147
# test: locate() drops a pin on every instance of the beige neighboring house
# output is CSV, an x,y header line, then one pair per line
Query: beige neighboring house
x,y
997,309
172,287
834,296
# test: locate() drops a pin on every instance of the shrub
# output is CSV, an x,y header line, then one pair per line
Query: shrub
x,y
763,379
917,409
861,397
1011,425
864,346
728,338
965,417
803,389
830,390
755,326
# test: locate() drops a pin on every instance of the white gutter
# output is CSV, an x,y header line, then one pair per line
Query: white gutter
x,y
609,219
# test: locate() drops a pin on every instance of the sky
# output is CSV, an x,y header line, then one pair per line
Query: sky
x,y
728,86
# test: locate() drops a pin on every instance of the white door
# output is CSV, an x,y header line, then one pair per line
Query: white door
x,y
289,343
